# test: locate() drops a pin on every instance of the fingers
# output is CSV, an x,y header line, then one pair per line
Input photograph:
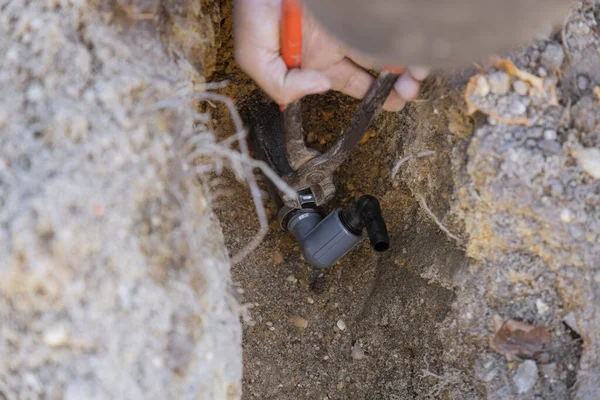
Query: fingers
x,y
282,85
408,85
256,36
296,84
419,72
350,79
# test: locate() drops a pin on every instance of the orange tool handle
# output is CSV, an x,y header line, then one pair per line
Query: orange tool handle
x,y
291,33
394,70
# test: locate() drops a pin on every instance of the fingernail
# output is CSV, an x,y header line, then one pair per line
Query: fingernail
x,y
419,72
407,87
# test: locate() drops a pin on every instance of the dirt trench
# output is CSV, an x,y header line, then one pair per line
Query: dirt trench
x,y
520,212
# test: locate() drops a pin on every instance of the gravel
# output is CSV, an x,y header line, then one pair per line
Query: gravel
x,y
357,352
482,89
526,376
520,87
550,134
589,159
541,306
552,56
517,107
583,82
299,322
499,82
536,133
571,321
550,146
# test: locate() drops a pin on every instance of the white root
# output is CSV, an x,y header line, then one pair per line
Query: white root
x,y
438,222
424,153
241,162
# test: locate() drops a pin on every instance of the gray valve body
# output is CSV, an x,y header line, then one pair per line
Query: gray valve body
x,y
323,241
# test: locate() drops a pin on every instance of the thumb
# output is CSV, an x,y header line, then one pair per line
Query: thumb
x,y
298,83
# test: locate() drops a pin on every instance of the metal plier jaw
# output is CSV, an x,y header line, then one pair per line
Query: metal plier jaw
x,y
313,171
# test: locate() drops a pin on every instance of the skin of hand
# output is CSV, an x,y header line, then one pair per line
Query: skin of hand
x,y
326,63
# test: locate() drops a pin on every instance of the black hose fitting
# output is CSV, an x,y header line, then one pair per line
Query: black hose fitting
x,y
365,213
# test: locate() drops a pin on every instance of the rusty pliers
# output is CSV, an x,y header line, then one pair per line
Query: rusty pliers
x,y
312,175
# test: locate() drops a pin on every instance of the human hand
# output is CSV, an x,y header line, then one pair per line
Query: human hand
x,y
326,63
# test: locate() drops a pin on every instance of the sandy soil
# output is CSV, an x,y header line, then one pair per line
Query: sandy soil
x,y
521,200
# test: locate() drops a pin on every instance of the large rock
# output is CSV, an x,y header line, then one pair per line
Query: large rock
x,y
114,280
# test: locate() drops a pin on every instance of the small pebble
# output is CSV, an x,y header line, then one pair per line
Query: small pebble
x,y
340,386
582,82
552,56
488,374
299,322
291,279
482,88
550,146
521,87
357,352
541,306
499,82
341,325
550,134
530,143
56,336
35,93
526,376
589,159
536,133
310,300
571,322
550,371
278,257
517,108
557,189
542,72
566,215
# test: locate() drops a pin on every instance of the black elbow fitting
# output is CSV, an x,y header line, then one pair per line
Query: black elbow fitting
x,y
326,240
365,213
